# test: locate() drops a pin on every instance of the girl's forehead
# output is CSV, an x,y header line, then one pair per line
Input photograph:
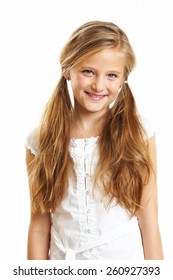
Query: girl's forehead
x,y
105,57
112,52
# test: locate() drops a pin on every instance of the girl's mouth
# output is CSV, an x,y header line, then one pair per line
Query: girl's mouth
x,y
95,96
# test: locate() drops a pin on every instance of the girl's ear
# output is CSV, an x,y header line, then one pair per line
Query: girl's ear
x,y
67,75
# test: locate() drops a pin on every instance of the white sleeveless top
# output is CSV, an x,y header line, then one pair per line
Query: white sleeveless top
x,y
82,227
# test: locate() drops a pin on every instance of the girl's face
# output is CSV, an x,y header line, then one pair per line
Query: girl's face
x,y
97,80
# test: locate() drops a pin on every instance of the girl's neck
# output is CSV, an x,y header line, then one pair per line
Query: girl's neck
x,y
86,125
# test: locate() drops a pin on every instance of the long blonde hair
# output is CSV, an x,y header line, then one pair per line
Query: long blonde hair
x,y
123,152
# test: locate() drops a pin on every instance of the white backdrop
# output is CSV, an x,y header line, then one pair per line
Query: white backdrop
x,y
32,34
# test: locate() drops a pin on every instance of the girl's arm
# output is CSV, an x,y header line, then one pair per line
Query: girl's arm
x,y
148,216
39,229
39,237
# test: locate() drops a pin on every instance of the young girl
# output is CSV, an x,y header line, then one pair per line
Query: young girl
x,y
92,164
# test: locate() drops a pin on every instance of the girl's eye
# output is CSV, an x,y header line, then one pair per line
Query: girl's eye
x,y
88,72
112,76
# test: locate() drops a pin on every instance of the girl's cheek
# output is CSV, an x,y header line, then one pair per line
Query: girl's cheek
x,y
114,89
81,81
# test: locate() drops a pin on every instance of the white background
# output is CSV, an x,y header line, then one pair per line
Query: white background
x,y
32,34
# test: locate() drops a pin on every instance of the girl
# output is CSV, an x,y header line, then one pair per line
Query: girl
x,y
92,166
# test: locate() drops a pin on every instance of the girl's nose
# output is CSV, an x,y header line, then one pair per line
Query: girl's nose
x,y
98,84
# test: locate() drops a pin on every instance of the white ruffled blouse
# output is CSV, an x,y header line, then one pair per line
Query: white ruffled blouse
x,y
83,228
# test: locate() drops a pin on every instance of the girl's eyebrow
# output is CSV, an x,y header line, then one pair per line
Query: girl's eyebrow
x,y
87,66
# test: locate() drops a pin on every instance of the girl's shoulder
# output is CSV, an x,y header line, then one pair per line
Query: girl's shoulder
x,y
32,141
148,126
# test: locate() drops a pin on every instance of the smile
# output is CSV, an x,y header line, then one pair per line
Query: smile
x,y
95,96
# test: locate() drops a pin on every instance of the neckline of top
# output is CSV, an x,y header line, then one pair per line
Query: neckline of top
x,y
86,138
